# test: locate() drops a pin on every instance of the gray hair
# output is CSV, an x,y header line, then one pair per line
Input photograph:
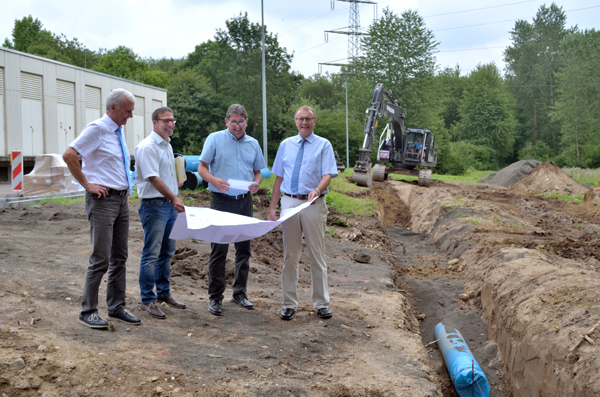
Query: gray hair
x,y
159,111
117,96
236,109
307,108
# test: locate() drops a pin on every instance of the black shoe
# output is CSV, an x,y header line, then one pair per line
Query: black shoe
x,y
214,307
241,300
324,312
287,314
126,317
92,321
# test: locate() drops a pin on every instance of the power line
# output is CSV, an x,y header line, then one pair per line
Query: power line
x,y
507,20
479,9
302,9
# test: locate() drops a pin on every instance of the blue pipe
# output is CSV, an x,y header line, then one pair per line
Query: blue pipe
x,y
265,173
466,374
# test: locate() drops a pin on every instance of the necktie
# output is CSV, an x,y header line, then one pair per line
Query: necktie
x,y
296,171
125,159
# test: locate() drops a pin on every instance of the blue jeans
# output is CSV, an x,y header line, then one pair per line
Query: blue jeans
x,y
158,217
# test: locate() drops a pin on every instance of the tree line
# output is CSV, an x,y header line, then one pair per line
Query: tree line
x,y
543,105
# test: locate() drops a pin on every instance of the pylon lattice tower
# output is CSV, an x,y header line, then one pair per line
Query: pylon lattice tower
x,y
353,30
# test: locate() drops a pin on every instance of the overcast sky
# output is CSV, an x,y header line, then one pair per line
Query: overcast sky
x,y
469,32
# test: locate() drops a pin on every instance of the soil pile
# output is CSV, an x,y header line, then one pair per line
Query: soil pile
x,y
549,178
512,174
591,203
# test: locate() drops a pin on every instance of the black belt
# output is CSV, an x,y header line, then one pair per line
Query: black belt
x,y
114,192
301,196
238,197
155,199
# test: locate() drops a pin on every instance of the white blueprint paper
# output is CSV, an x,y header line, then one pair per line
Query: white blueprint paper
x,y
223,227
239,184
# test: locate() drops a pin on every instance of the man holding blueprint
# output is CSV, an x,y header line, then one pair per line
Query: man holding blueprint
x,y
235,161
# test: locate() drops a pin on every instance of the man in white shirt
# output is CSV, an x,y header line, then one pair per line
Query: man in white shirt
x,y
158,189
304,166
104,174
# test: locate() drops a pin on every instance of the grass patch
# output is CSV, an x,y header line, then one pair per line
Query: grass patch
x,y
332,232
350,205
469,178
463,215
583,175
567,198
58,200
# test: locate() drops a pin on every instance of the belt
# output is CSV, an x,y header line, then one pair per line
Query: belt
x,y
301,196
155,199
113,192
238,197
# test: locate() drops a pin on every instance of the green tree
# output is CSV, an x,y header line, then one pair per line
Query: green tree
x,y
487,113
531,63
577,109
399,52
199,111
28,36
232,63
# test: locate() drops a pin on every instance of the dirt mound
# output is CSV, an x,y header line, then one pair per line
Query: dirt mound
x,y
549,178
512,174
591,203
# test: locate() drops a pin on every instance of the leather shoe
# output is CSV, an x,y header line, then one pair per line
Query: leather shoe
x,y
241,300
171,302
153,310
125,317
287,314
214,307
324,312
93,321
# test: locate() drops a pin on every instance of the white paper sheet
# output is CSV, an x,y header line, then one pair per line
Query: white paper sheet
x,y
239,184
223,227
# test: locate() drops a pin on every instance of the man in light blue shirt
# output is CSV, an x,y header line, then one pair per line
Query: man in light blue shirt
x,y
304,166
231,154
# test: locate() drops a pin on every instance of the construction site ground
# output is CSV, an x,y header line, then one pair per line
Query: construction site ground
x,y
514,271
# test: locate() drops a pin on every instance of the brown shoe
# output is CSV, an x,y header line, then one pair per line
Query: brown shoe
x,y
172,302
153,310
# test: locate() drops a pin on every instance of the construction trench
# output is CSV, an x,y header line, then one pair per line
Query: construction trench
x,y
513,270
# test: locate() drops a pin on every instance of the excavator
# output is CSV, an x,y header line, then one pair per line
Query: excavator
x,y
404,147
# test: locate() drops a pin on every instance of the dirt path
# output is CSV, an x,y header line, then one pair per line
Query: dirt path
x,y
527,263
369,348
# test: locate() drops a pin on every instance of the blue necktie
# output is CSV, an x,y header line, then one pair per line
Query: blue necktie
x,y
125,159
296,171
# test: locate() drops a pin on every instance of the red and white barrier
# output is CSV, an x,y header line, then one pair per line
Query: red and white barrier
x,y
16,160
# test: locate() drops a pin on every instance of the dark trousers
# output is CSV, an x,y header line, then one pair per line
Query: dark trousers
x,y
109,231
218,252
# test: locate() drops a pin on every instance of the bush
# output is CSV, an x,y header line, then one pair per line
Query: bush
x,y
476,157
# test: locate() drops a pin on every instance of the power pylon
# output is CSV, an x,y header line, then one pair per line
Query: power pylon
x,y
353,29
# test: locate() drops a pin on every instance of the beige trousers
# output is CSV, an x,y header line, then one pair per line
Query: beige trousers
x,y
310,222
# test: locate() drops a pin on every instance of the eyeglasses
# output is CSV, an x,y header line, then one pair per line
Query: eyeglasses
x,y
307,119
167,121
241,123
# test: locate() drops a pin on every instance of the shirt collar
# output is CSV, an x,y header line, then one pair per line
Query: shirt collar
x,y
309,138
157,138
110,123
234,138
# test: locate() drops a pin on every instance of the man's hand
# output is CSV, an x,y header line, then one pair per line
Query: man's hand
x,y
178,204
180,184
221,185
253,187
101,191
312,195
272,215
